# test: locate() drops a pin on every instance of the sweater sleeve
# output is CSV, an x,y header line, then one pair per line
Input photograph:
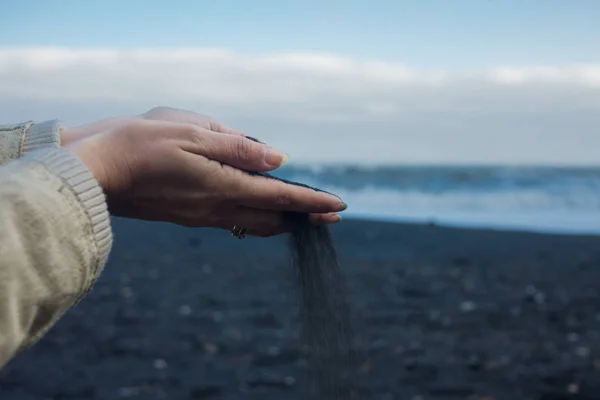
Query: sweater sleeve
x,y
19,139
55,237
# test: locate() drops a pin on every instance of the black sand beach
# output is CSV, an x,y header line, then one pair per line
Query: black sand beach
x,y
441,313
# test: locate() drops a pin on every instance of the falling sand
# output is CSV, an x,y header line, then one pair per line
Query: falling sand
x,y
325,319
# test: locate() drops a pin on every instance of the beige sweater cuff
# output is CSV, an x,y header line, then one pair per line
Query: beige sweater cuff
x,y
80,180
43,134
18,139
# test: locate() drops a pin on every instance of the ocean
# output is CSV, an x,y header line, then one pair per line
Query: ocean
x,y
538,199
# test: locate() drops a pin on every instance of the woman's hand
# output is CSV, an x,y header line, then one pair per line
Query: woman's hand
x,y
167,114
189,174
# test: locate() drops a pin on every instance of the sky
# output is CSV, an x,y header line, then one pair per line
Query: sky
x,y
423,81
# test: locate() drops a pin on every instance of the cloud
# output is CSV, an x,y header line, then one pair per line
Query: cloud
x,y
322,107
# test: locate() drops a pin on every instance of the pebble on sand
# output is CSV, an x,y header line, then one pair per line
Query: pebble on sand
x,y
210,348
573,388
159,363
582,351
126,292
185,310
289,380
129,391
217,316
572,337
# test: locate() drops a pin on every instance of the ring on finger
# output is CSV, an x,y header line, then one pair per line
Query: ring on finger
x,y
239,232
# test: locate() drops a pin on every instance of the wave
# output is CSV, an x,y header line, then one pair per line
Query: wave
x,y
551,199
516,210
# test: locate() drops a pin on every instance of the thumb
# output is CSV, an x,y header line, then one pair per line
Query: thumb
x,y
243,153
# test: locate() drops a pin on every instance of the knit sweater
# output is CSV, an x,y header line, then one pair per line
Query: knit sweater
x,y
55,233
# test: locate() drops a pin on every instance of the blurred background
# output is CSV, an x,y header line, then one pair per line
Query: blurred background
x,y
464,136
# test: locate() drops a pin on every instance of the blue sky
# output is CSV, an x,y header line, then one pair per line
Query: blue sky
x,y
419,33
422,81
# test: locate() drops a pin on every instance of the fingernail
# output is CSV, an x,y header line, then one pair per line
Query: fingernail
x,y
254,139
341,206
276,158
338,219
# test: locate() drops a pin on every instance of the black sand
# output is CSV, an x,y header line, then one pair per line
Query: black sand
x,y
443,314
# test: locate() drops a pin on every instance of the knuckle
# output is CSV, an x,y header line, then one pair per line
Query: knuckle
x,y
196,135
153,112
243,150
160,110
284,198
212,124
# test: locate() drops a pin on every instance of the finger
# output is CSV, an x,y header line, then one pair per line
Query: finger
x,y
237,152
220,128
257,222
190,117
271,194
266,223
254,139
325,219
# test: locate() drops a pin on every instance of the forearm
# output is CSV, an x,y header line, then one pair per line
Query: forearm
x,y
19,139
54,240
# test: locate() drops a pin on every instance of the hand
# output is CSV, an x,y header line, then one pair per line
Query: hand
x,y
189,175
71,135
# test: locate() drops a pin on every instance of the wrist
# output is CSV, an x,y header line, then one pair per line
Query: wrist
x,y
67,138
84,151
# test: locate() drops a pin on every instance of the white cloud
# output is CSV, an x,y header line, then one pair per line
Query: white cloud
x,y
324,107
